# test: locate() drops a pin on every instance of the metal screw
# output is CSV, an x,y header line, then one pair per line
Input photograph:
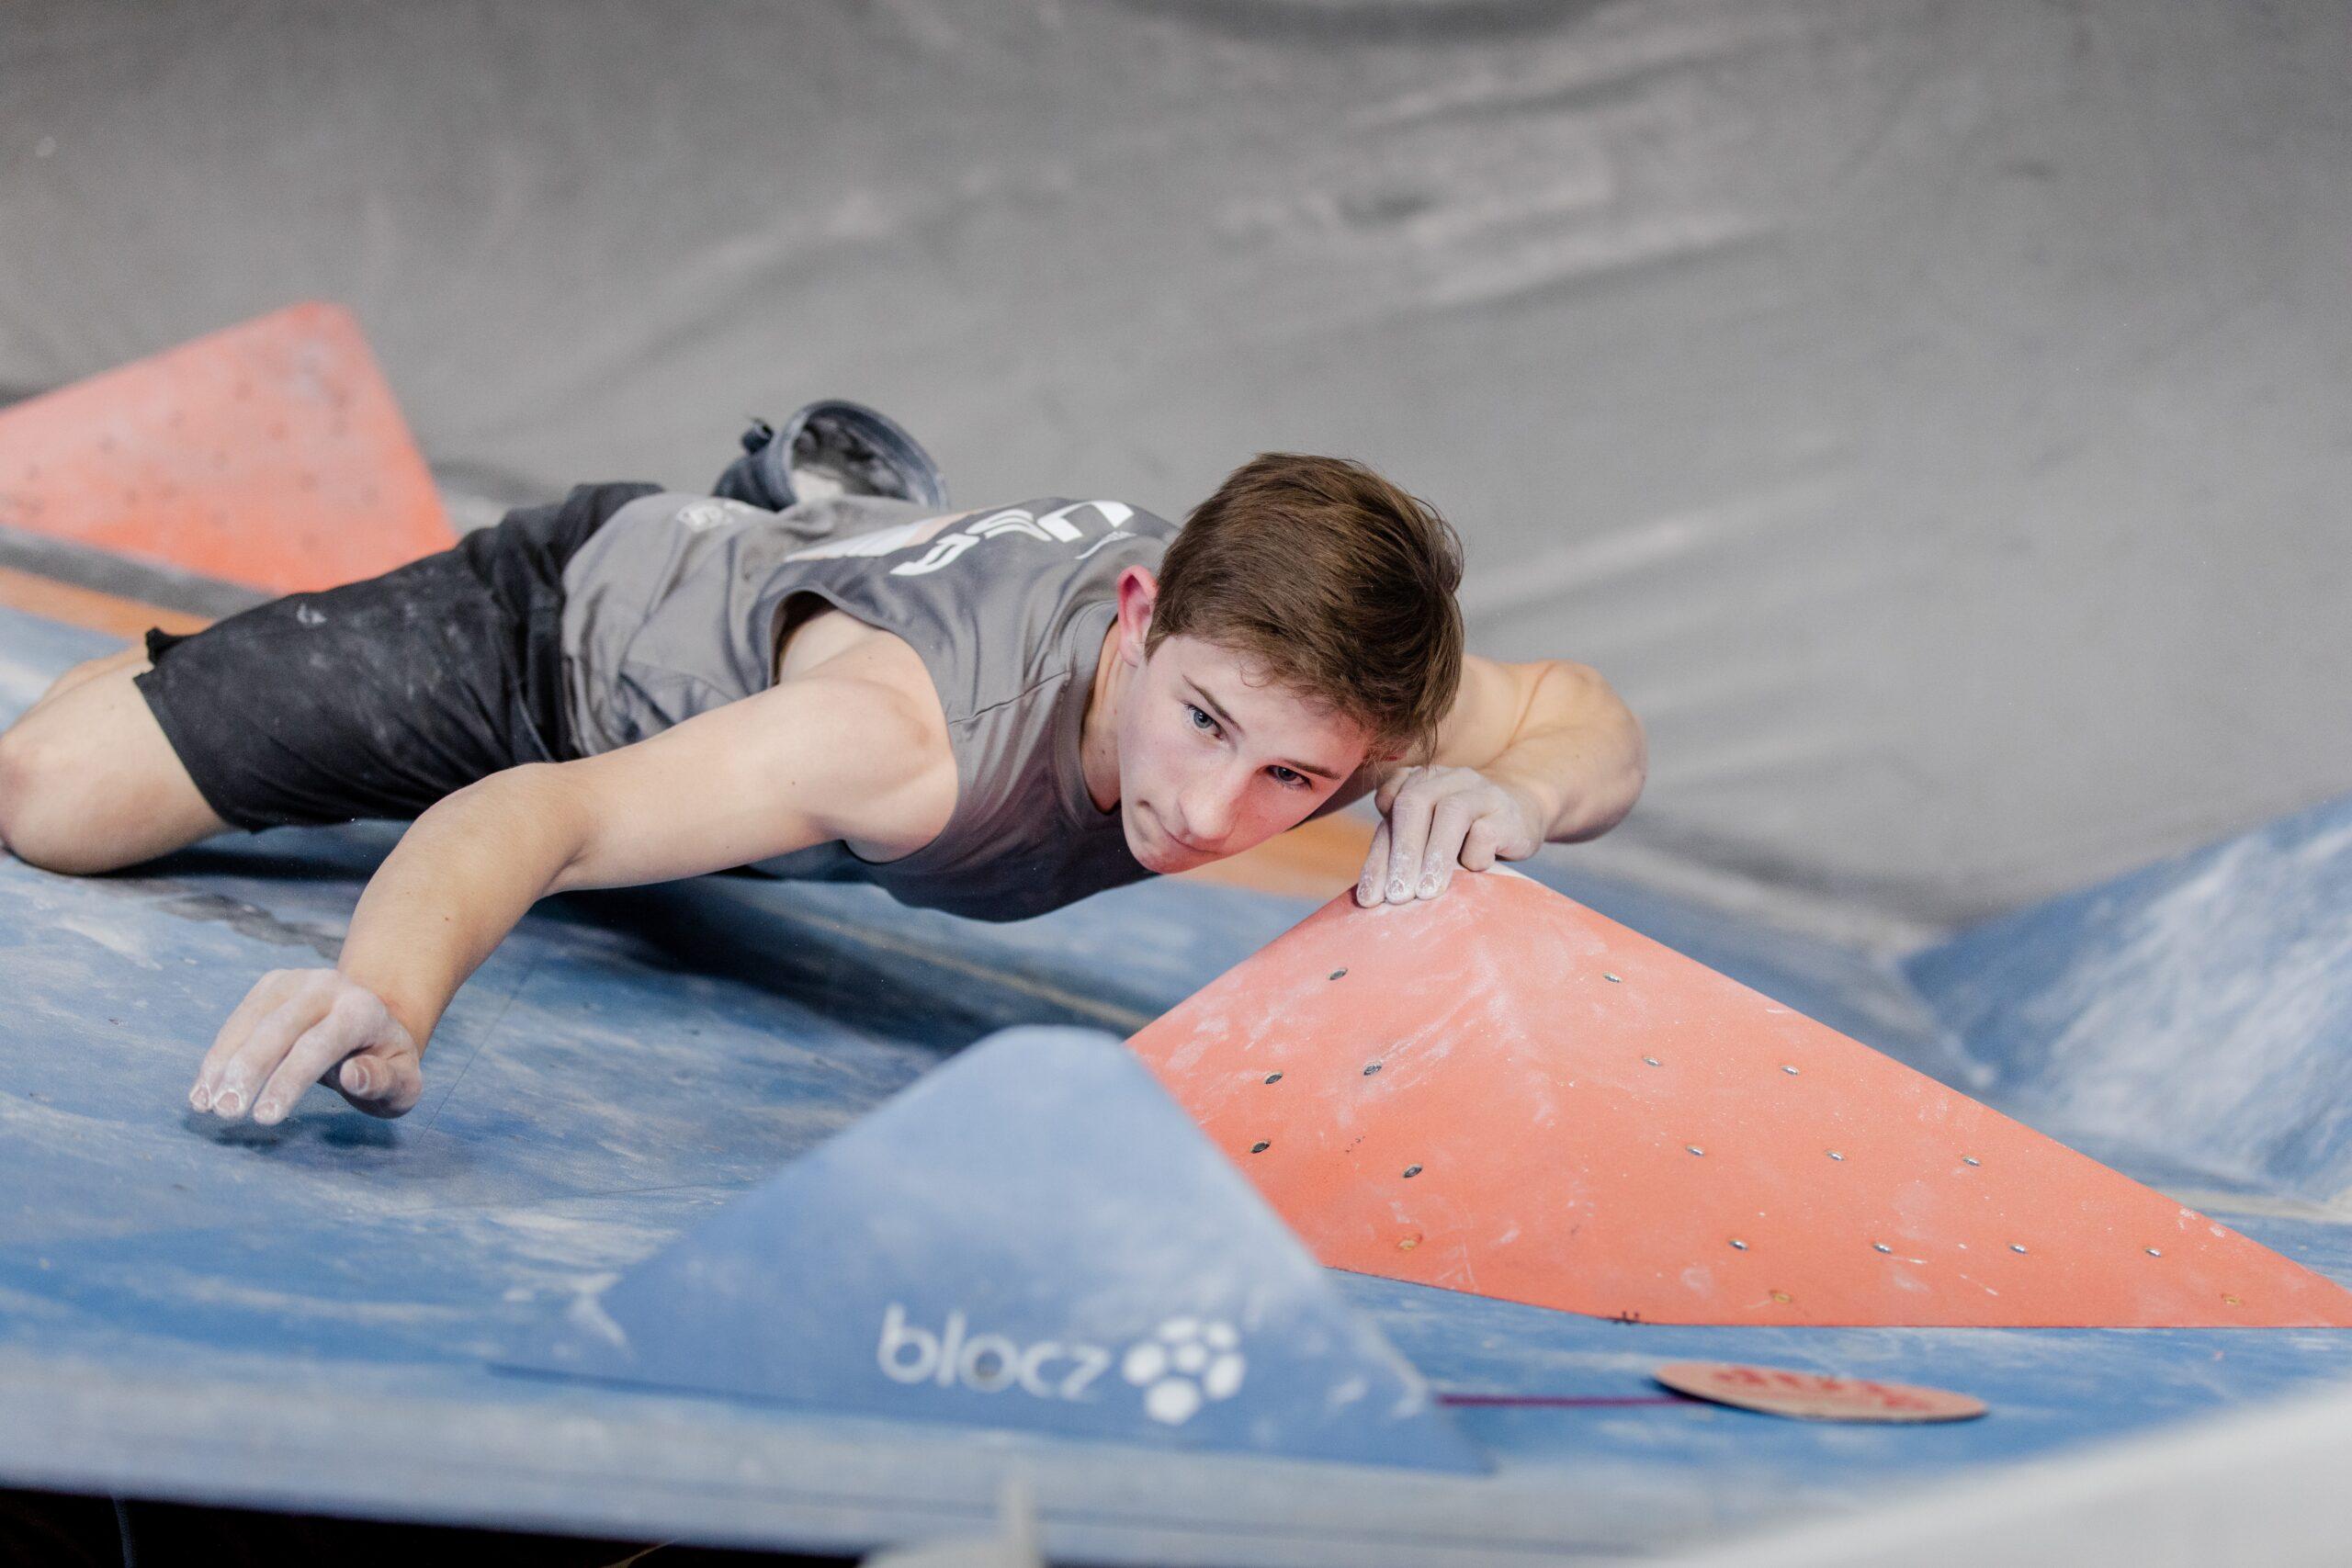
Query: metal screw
x,y
1653,1061
1969,1159
1337,973
1737,1245
2016,1247
2155,1252
1832,1154
1412,1171
1372,1069
1274,1078
1694,1148
1612,978
1881,1247
1790,1071
1259,1147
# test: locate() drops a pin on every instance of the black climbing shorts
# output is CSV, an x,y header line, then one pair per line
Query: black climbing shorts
x,y
377,698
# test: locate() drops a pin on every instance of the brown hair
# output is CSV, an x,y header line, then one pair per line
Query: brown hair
x,y
1332,582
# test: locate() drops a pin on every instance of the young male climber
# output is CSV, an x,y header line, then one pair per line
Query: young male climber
x,y
993,713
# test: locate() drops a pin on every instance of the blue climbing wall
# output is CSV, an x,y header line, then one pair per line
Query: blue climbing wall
x,y
200,1311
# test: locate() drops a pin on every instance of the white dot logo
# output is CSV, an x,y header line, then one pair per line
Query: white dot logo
x,y
703,516
1184,1359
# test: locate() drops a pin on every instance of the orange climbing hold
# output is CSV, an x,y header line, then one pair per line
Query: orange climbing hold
x,y
1501,1092
270,454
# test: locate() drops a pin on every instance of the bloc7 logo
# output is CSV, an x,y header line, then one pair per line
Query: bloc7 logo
x,y
1180,1365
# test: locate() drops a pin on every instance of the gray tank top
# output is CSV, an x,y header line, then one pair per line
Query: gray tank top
x,y
674,606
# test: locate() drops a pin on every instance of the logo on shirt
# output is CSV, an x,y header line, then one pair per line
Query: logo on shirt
x,y
702,515
1054,527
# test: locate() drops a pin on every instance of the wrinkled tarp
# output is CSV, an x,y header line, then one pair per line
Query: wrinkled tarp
x,y
1932,417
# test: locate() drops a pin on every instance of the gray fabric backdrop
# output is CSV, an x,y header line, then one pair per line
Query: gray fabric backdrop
x,y
1933,417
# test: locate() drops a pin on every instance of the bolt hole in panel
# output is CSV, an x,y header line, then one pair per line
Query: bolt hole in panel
x,y
1553,1161
270,453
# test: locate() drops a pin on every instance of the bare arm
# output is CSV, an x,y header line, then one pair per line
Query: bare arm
x,y
1572,746
812,760
787,768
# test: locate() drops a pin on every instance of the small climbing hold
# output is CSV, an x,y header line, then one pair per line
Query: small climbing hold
x,y
1337,973
1411,1171
1372,1069
1260,1147
1274,1078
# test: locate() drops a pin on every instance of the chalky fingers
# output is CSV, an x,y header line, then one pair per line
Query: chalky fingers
x,y
240,1079
1374,878
266,995
1408,830
1449,824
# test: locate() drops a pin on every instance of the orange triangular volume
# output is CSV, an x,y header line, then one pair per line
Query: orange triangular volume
x,y
1499,1092
270,454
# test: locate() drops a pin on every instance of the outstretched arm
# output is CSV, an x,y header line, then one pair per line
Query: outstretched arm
x,y
1530,754
803,762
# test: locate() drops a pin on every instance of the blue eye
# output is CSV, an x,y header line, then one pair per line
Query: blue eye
x,y
1206,722
1290,776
